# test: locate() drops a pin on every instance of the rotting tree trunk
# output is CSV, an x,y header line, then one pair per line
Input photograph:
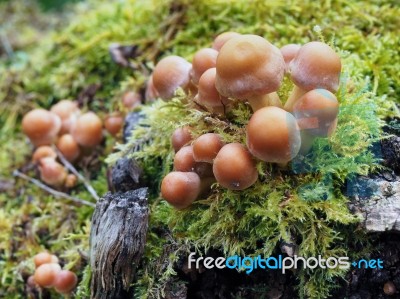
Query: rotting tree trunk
x,y
117,239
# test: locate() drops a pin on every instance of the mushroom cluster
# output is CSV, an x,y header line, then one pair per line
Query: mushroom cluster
x,y
247,68
48,274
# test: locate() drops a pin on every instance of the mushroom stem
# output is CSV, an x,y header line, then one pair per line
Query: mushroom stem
x,y
260,101
296,94
307,141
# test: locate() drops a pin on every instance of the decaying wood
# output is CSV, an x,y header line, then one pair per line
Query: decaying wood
x,y
117,239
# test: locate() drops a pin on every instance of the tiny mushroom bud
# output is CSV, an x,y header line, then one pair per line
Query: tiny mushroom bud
x,y
43,151
208,96
181,189
221,39
65,281
68,112
250,68
289,52
88,130
234,167
131,99
273,135
203,60
316,65
52,172
206,147
41,126
44,258
169,74
114,123
45,274
70,181
181,137
68,147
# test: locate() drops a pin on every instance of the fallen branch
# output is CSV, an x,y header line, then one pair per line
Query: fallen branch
x,y
52,191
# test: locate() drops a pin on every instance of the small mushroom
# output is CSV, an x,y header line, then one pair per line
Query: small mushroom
x,y
169,74
181,189
250,68
184,160
289,52
180,138
131,99
203,60
52,172
273,135
87,130
44,258
68,147
41,126
316,65
234,167
114,123
71,181
221,39
45,275
43,151
68,112
206,147
65,281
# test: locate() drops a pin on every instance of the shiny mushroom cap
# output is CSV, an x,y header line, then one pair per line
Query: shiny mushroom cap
x,y
68,111
180,138
248,66
289,52
45,274
114,123
316,65
234,167
65,281
43,151
184,160
87,130
68,147
316,112
180,189
44,258
203,60
169,74
221,39
206,147
41,126
273,135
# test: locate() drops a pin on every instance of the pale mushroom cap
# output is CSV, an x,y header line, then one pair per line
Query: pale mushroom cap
x,y
234,167
41,126
203,60
316,65
289,52
180,189
67,111
181,137
88,130
273,135
52,172
169,74
316,111
43,151
208,95
247,66
151,93
221,39
68,147
206,147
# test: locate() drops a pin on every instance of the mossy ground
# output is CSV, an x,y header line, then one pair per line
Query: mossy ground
x,y
61,59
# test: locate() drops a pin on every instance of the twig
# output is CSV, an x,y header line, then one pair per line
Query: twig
x,y
71,168
51,190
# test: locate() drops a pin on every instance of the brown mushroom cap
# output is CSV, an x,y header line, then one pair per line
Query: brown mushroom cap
x,y
169,74
68,111
45,274
43,151
184,160
68,147
203,60
180,189
181,137
114,123
87,130
273,135
65,281
52,172
41,126
316,65
234,167
131,99
289,52
206,147
316,111
248,66
44,258
221,39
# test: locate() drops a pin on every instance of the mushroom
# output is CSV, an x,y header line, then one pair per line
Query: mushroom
x,y
45,275
273,135
316,65
43,151
44,258
184,160
289,52
131,99
181,137
316,113
52,172
208,95
181,189
114,123
87,130
234,167
221,39
203,60
68,111
70,181
68,147
65,281
250,68
151,93
41,126
169,74
206,147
